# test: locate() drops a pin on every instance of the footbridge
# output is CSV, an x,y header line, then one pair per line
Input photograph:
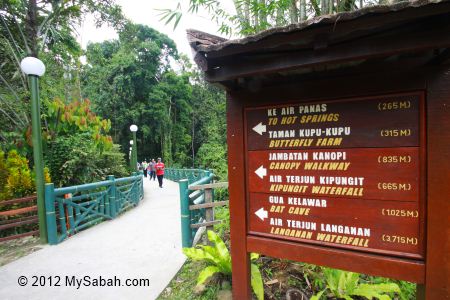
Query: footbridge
x,y
117,239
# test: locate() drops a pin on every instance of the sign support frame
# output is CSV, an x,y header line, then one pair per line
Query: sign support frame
x,y
433,274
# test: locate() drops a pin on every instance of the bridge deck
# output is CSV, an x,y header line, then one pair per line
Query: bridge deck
x,y
144,242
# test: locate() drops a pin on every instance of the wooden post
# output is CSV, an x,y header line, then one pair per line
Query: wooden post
x,y
238,210
209,212
437,278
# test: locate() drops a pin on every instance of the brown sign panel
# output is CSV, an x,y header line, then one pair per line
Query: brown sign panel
x,y
384,121
343,174
370,173
388,227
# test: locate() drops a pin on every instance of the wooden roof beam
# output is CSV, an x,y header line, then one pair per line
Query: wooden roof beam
x,y
418,40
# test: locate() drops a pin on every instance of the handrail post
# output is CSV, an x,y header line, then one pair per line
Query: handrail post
x,y
50,214
209,212
112,197
186,235
141,196
134,195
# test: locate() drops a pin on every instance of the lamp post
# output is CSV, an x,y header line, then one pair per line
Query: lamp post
x,y
35,68
133,129
130,155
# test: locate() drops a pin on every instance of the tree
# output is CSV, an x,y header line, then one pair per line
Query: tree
x,y
127,79
252,16
44,28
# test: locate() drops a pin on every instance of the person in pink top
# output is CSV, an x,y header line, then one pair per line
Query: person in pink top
x,y
160,172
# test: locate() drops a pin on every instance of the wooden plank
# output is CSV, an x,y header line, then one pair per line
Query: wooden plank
x,y
415,41
215,185
438,187
207,224
8,221
209,213
17,236
238,208
370,264
207,205
18,211
355,123
18,200
20,223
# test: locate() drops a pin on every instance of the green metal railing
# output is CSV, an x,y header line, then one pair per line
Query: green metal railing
x,y
192,175
187,178
72,209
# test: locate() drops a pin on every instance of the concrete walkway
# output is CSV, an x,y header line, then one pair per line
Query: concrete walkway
x,y
143,243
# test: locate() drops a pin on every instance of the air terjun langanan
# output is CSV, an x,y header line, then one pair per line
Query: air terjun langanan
x,y
339,134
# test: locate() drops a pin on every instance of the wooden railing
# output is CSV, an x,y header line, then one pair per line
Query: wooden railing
x,y
72,209
196,200
15,219
208,205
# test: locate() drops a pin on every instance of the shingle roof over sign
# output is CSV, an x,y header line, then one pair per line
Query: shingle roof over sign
x,y
204,42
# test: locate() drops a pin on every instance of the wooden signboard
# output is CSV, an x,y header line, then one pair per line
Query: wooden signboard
x,y
338,134
342,174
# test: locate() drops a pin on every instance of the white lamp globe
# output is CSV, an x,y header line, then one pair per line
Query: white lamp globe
x,y
133,128
131,142
32,66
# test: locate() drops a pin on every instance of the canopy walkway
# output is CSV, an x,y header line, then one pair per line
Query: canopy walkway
x,y
142,243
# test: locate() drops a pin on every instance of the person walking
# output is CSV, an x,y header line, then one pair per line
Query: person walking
x,y
144,167
152,170
160,172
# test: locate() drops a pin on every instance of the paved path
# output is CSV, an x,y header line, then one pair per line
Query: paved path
x,y
144,242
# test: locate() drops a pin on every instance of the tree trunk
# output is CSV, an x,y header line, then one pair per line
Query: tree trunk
x,y
293,11
303,10
262,15
192,140
325,8
316,7
32,27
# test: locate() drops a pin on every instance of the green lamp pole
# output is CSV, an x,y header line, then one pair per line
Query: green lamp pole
x,y
133,129
130,156
35,68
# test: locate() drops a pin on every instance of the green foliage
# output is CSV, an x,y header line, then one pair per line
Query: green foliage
x,y
44,29
76,117
223,214
252,16
408,289
344,284
74,160
16,178
219,261
113,162
257,282
19,182
130,82
3,175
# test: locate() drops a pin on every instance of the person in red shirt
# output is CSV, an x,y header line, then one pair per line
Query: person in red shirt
x,y
160,172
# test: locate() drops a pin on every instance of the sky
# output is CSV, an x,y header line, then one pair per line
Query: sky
x,y
145,12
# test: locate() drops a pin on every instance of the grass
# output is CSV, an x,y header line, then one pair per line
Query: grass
x,y
182,286
15,249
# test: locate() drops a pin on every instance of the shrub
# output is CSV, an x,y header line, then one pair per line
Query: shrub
x,y
344,284
16,179
75,160
219,261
